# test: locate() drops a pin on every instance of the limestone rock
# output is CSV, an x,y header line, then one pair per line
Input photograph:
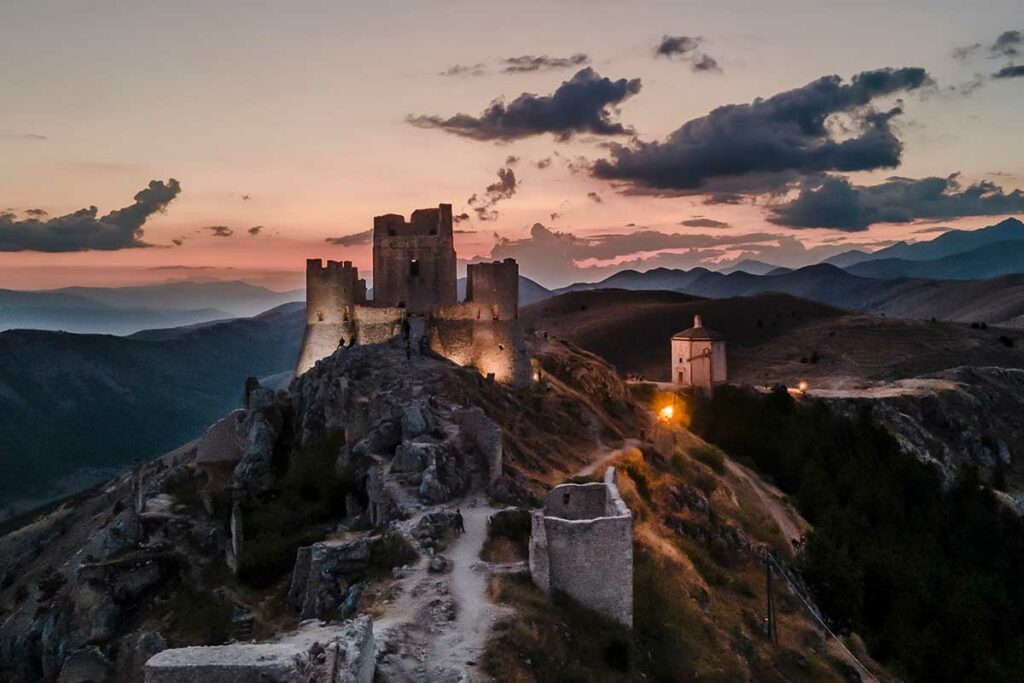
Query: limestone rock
x,y
354,659
414,423
431,489
86,665
324,573
280,663
222,442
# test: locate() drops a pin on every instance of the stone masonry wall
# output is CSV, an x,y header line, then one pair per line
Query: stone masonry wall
x,y
588,558
414,263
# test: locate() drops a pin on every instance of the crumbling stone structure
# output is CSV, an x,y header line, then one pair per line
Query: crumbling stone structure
x,y
414,262
328,654
415,295
581,543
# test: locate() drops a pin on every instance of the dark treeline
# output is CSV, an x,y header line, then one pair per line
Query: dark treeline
x,y
930,576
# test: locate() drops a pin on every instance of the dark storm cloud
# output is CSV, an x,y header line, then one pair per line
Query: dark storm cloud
x,y
1013,71
757,147
836,203
219,230
543,163
178,241
83,230
527,63
460,217
595,197
36,213
353,240
1008,44
511,160
704,223
684,48
502,189
255,230
582,104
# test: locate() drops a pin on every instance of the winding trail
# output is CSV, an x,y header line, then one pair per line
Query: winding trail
x,y
770,498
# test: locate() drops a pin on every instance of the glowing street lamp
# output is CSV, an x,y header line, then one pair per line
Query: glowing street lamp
x,y
666,413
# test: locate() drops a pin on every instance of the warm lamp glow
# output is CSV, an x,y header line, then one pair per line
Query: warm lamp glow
x,y
666,413
802,387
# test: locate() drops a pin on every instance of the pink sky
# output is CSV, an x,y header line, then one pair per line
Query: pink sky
x,y
302,109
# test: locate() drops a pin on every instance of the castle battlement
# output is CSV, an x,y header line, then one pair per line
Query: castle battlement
x,y
415,292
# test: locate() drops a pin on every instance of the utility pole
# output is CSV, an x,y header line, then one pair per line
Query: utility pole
x,y
773,629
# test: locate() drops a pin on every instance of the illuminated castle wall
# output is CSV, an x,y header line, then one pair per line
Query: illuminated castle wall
x,y
415,283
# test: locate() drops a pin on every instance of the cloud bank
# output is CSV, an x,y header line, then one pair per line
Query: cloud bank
x,y
582,104
757,147
836,203
83,230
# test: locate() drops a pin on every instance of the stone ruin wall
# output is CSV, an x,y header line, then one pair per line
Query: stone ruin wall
x,y
426,239
581,543
482,331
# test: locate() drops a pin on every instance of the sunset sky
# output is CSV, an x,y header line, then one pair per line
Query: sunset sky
x,y
305,119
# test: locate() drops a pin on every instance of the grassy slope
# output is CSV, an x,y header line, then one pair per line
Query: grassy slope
x,y
768,335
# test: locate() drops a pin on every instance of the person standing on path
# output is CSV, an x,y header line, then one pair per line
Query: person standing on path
x,y
459,522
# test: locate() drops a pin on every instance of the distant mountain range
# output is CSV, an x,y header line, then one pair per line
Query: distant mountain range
x,y
124,310
997,301
946,244
75,407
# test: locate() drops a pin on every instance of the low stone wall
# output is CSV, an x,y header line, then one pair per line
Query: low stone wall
x,y
230,664
342,653
588,552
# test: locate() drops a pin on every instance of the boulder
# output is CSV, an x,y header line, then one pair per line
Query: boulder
x,y
431,489
86,665
324,573
222,442
412,456
414,423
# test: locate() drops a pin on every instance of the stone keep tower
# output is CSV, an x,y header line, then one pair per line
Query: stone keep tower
x,y
698,357
493,288
414,262
332,295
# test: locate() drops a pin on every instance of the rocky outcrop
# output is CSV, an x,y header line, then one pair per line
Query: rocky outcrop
x,y
325,575
965,415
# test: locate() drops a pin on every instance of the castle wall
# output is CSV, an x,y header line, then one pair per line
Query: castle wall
x,y
332,291
493,288
414,262
414,275
590,558
491,346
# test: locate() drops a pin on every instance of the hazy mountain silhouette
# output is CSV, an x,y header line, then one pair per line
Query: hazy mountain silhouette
x,y
946,244
73,407
124,310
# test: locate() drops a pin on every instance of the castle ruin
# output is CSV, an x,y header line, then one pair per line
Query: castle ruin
x,y
415,296
581,543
